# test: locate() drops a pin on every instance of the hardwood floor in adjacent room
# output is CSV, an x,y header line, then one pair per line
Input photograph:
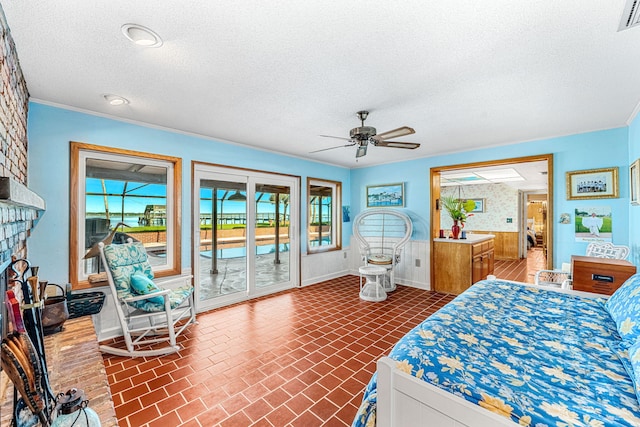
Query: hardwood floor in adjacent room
x,y
297,358
523,270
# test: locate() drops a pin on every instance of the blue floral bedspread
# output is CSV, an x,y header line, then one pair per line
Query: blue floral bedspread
x,y
538,357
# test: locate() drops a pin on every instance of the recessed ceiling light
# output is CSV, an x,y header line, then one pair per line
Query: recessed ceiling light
x,y
115,99
142,36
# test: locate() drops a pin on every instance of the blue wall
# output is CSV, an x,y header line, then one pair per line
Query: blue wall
x,y
584,151
634,211
49,131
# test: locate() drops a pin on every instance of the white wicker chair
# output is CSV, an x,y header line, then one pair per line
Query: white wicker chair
x,y
553,278
607,250
381,234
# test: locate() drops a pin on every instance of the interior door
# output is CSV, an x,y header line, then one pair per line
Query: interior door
x,y
244,240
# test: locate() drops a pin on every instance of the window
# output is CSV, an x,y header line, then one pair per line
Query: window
x,y
126,194
324,225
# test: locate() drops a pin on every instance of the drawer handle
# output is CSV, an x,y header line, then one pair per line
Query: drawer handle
x,y
602,278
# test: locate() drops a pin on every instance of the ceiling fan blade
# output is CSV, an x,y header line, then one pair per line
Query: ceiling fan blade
x,y
331,148
396,144
404,130
335,137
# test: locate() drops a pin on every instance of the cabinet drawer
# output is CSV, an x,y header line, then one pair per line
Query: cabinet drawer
x,y
476,249
483,247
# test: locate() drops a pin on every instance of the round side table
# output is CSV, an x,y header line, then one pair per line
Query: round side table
x,y
372,289
387,262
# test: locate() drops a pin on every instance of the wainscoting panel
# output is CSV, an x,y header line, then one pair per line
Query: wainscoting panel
x,y
505,244
323,266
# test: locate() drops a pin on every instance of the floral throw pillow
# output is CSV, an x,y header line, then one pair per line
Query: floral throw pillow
x,y
634,357
624,309
142,285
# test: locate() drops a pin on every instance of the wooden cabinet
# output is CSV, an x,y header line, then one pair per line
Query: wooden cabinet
x,y
506,244
483,256
459,264
599,275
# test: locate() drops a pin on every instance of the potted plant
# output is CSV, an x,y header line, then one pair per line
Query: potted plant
x,y
458,210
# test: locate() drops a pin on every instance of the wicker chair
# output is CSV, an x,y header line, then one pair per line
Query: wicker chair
x,y
607,250
381,235
553,278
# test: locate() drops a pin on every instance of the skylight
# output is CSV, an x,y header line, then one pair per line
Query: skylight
x,y
487,176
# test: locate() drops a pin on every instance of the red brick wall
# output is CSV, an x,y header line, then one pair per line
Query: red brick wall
x,y
15,221
14,98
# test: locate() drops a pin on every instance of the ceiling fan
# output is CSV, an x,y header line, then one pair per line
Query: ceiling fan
x,y
363,135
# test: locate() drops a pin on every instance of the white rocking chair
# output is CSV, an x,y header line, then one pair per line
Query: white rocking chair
x,y
381,235
149,315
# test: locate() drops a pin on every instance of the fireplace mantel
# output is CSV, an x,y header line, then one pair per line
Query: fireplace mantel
x,y
20,209
14,193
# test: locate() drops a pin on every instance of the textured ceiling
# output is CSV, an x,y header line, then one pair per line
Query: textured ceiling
x,y
276,75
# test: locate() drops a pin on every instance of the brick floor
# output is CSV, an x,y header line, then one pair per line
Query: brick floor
x,y
296,358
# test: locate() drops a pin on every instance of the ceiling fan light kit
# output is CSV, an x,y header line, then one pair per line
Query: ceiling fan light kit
x,y
363,135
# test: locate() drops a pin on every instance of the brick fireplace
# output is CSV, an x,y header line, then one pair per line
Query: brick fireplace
x,y
20,208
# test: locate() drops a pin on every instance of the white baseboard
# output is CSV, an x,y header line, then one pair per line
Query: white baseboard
x,y
414,284
329,276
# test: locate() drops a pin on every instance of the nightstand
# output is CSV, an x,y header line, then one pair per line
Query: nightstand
x,y
599,275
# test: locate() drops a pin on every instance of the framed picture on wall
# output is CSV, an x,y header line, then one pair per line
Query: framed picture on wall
x,y
385,195
634,183
592,184
479,205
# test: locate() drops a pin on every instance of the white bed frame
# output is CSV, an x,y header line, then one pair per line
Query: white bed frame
x,y
404,400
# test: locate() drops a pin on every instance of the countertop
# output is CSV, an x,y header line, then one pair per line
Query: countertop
x,y
471,238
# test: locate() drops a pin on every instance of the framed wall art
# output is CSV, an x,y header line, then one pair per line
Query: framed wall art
x,y
634,183
592,184
479,205
385,195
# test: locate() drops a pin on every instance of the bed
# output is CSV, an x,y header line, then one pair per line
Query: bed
x,y
508,354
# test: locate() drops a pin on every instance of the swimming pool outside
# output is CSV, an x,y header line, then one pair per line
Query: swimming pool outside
x,y
242,251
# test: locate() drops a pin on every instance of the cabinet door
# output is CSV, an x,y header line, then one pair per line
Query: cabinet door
x,y
478,269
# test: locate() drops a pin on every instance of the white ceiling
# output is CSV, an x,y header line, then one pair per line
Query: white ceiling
x,y
277,74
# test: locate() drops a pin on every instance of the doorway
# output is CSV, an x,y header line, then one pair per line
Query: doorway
x,y
245,242
508,246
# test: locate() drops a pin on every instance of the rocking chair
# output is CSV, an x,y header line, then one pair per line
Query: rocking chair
x,y
148,314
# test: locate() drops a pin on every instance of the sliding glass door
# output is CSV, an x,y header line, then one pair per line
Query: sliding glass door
x,y
273,238
244,242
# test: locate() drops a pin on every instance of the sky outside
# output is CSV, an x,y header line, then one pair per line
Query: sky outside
x,y
137,205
